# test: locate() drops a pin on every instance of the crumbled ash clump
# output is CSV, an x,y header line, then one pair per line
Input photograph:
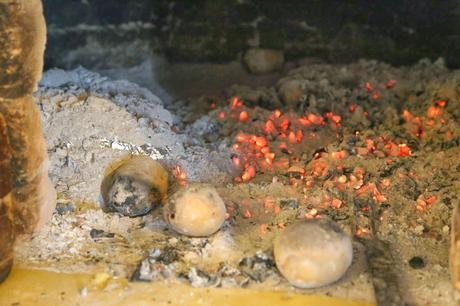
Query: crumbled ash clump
x,y
158,265
168,264
256,269
259,267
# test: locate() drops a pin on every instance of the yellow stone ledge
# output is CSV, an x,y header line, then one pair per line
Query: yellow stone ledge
x,y
37,287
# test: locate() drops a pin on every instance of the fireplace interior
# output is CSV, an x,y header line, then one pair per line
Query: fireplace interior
x,y
238,152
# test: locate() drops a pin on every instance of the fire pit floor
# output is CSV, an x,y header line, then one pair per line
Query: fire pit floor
x,y
63,289
370,146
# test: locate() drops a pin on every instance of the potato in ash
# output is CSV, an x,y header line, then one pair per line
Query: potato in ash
x,y
196,210
134,185
313,253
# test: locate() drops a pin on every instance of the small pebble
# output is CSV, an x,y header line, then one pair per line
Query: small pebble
x,y
96,233
446,229
83,291
173,241
419,230
196,210
198,278
313,253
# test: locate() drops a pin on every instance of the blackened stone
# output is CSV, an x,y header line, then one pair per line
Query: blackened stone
x,y
96,233
168,255
63,208
289,203
5,270
417,262
246,262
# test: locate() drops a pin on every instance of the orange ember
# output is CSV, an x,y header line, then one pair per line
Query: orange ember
x,y
180,175
244,116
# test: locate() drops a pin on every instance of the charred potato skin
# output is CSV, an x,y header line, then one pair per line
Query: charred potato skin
x,y
144,180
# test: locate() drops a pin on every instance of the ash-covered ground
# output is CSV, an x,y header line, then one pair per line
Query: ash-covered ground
x,y
370,146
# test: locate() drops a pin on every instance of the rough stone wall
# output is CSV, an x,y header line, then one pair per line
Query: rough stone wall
x,y
395,31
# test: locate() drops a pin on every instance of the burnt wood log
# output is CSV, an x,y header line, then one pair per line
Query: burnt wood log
x,y
27,196
455,248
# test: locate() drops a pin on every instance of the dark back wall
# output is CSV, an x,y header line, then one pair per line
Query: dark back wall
x,y
395,31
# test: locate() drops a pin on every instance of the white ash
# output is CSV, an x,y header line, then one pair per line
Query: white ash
x,y
198,278
91,120
204,126
72,232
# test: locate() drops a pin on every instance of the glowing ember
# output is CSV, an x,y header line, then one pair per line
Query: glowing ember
x,y
236,161
362,231
180,175
244,116
404,150
391,83
368,86
376,95
249,173
407,115
336,203
434,111
339,155
423,201
441,103
292,138
274,144
385,182
313,213
235,103
247,214
263,229
270,128
336,119
260,141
